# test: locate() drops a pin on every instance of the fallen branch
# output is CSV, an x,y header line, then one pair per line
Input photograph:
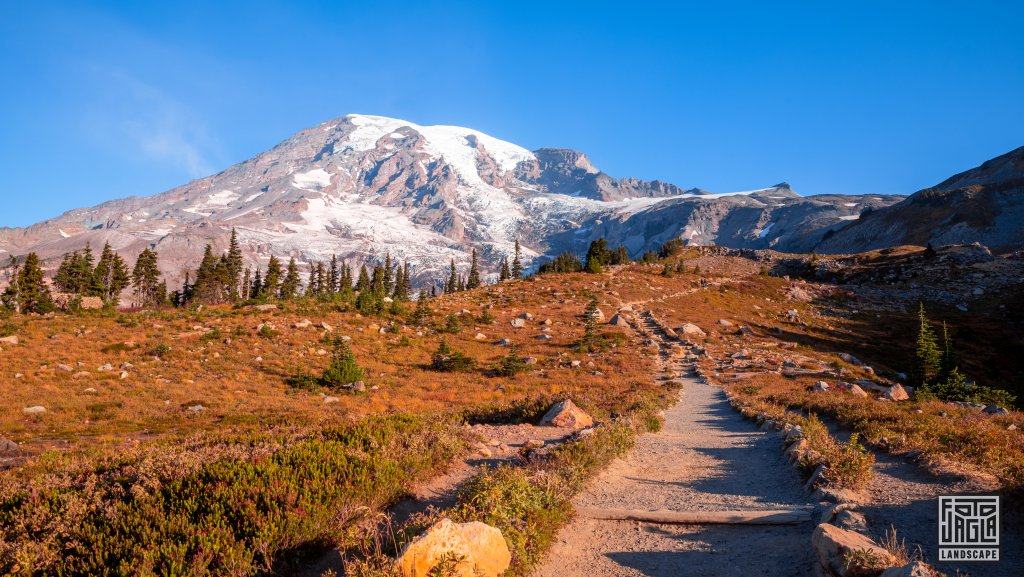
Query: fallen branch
x,y
783,517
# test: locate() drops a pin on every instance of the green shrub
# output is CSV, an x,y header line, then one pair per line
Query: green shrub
x,y
447,360
343,369
511,364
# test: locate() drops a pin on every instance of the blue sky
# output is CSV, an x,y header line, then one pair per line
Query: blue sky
x,y
107,99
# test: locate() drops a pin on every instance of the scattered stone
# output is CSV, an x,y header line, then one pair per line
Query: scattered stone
x,y
518,323
105,368
328,400
504,343
820,387
480,336
81,375
543,337
525,316
575,364
913,569
530,360
196,408
303,324
744,331
793,315
481,549
358,386
326,327
1011,427
11,340
834,546
66,368
90,391
850,359
9,449
994,409
34,410
124,375
567,414
724,323
618,320
533,444
897,393
547,322
264,308
740,355
692,331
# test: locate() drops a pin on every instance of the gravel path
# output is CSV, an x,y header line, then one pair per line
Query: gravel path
x,y
707,457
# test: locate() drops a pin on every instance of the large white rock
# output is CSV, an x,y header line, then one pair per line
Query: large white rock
x,y
567,414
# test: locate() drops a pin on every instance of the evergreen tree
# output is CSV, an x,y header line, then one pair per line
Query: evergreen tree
x,y
334,276
505,273
620,256
233,267
453,280
209,286
110,277
312,283
667,271
146,279
517,263
290,284
186,293
64,279
363,284
403,289
377,281
246,288
949,362
83,272
474,273
160,294
927,357
272,280
387,276
33,294
256,290
598,256
343,370
590,318
422,313
399,282
11,297
461,286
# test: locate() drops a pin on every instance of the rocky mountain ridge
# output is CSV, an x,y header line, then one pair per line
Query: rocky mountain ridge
x,y
362,186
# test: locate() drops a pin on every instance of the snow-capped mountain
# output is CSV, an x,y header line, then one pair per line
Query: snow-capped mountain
x,y
362,186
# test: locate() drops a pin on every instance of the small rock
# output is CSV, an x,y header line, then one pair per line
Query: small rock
x,y
105,368
567,414
1011,427
9,449
724,323
518,323
480,336
124,375
533,444
11,340
692,331
326,327
66,368
34,410
994,409
833,546
504,343
90,391
197,408
850,359
820,387
303,324
359,387
525,316
328,400
618,320
897,393
913,569
543,337
575,364
530,360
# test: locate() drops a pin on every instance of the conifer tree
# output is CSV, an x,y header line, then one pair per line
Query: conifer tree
x,y
505,273
209,285
667,272
256,290
387,275
233,267
377,281
312,282
453,280
403,289
422,313
474,273
399,282
146,279
246,288
461,286
363,283
272,280
290,284
334,276
83,271
11,297
110,277
590,318
517,263
949,362
343,370
33,294
927,353
64,279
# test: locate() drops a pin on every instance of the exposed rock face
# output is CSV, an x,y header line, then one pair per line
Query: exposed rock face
x,y
362,186
567,414
984,204
482,548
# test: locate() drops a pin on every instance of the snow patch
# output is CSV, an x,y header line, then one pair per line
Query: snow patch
x,y
312,180
850,203
764,231
222,198
63,234
850,217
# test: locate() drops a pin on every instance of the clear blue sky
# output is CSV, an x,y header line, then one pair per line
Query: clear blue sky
x,y
107,99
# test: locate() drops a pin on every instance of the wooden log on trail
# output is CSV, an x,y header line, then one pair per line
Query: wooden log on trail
x,y
777,517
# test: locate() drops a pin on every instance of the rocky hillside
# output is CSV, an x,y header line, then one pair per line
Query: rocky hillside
x,y
362,186
984,204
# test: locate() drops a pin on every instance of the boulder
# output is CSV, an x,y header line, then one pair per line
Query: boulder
x,y
692,331
518,323
897,393
264,308
303,324
34,410
525,316
567,414
820,387
326,327
994,409
856,391
530,360
11,340
833,544
724,323
912,569
9,449
618,321
480,336
481,549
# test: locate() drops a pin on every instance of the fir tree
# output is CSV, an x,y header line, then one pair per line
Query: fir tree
x,y
517,263
246,288
33,294
272,280
377,281
313,282
461,286
11,297
343,370
110,277
290,284
667,271
927,356
399,282
505,273
83,272
233,267
453,280
590,319
598,256
64,279
209,287
256,290
334,276
474,273
422,313
363,283
146,279
387,276
949,362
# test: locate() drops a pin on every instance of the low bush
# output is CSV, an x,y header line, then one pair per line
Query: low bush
x,y
448,360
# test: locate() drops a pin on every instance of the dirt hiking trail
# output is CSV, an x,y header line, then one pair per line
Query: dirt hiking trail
x,y
707,457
